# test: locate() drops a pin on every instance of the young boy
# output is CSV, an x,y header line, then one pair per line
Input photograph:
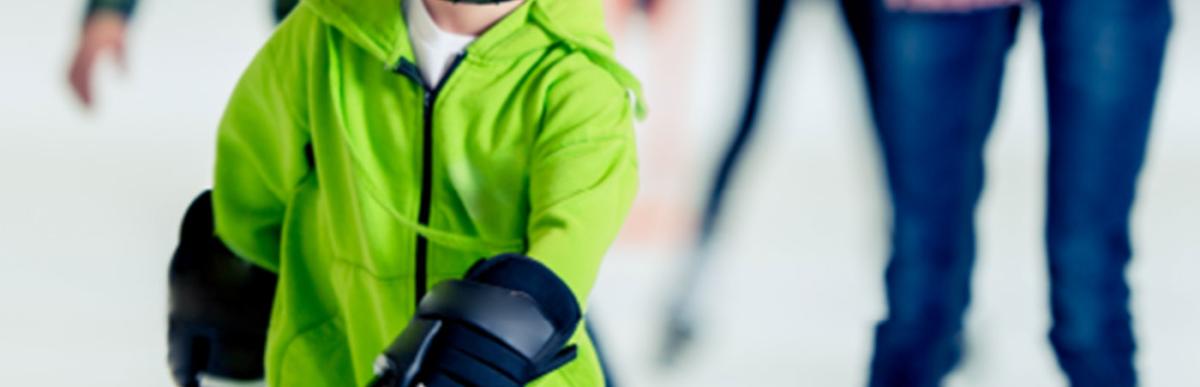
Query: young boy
x,y
375,148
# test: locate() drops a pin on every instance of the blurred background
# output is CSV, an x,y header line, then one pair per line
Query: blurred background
x,y
90,201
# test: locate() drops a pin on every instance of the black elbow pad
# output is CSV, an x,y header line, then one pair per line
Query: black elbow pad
x,y
505,324
219,306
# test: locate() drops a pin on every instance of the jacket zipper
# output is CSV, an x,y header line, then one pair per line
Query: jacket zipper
x,y
430,99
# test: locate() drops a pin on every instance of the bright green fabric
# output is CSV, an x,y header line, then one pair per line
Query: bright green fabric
x,y
533,151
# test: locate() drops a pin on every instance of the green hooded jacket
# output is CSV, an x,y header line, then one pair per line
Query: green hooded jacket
x,y
337,169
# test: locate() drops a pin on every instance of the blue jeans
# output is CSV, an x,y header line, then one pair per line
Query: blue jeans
x,y
934,82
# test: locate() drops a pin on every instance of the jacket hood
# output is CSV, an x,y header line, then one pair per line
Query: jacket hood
x,y
378,26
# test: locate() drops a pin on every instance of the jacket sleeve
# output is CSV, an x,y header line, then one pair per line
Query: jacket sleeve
x,y
261,155
123,7
583,177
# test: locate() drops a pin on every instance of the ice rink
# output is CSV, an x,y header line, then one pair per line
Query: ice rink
x,y
90,203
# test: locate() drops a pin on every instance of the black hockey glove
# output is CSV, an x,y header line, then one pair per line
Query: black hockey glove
x,y
505,324
219,305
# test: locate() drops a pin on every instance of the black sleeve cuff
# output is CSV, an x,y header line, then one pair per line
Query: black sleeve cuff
x,y
123,7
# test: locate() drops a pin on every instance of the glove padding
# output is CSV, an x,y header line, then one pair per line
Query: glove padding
x,y
220,305
505,324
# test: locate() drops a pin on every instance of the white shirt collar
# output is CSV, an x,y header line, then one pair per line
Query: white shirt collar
x,y
434,48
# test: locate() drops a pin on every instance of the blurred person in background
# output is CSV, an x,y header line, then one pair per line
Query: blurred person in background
x,y
766,20
104,26
618,12
681,316
934,71
665,31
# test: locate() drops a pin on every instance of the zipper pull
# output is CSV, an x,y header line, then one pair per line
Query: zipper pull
x,y
409,69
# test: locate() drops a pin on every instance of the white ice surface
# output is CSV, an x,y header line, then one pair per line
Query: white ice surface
x,y
89,205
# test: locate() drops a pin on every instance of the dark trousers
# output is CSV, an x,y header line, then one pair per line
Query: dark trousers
x,y
934,84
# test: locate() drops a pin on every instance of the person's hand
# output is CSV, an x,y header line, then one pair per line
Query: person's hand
x,y
947,5
103,34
